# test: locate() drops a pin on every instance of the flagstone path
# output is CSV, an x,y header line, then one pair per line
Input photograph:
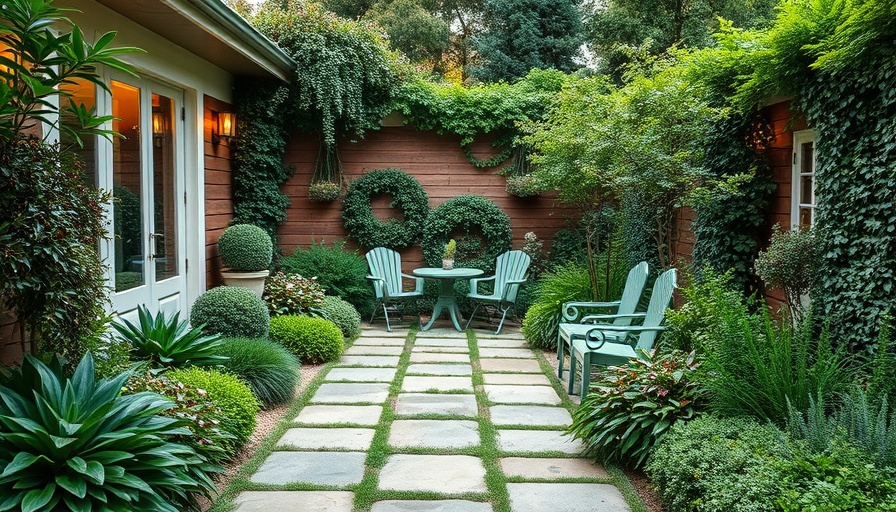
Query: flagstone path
x,y
445,407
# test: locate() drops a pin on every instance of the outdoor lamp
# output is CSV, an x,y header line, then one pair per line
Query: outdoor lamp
x,y
158,127
224,127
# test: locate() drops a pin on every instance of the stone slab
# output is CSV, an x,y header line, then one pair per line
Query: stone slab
x,y
368,415
415,384
535,441
531,379
440,369
434,348
441,342
381,332
520,394
434,434
500,343
338,393
380,342
438,357
328,438
549,468
319,468
411,404
449,474
441,332
288,501
512,353
373,350
374,361
430,506
530,415
560,497
361,375
510,365
508,332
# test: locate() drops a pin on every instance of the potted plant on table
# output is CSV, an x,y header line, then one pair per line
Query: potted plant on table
x,y
448,256
246,252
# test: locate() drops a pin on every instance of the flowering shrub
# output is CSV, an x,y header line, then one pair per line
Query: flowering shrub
x,y
634,405
292,294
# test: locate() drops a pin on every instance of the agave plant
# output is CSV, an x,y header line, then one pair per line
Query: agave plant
x,y
164,340
76,444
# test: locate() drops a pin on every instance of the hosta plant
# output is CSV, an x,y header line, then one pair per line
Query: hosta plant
x,y
165,341
633,406
77,444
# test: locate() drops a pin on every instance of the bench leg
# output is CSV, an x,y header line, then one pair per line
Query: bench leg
x,y
560,356
586,374
572,369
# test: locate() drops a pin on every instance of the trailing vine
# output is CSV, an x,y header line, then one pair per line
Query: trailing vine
x,y
481,228
407,195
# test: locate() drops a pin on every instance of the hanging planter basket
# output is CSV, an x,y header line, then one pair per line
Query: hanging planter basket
x,y
519,182
326,182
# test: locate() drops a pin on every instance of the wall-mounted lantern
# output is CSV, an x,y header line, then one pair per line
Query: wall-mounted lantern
x,y
223,127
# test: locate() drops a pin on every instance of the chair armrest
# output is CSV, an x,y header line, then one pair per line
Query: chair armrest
x,y
418,282
379,281
571,309
591,318
596,337
475,282
507,287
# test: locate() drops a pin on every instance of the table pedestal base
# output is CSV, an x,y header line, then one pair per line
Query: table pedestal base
x,y
446,301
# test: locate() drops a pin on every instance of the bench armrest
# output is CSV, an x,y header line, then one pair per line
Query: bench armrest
x,y
570,310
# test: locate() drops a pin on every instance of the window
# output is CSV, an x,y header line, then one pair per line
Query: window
x,y
802,210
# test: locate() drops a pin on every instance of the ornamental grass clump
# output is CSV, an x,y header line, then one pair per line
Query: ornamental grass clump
x,y
313,340
164,341
270,370
75,443
231,311
245,247
292,294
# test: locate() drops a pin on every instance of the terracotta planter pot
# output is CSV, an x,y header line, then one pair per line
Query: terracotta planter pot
x,y
251,280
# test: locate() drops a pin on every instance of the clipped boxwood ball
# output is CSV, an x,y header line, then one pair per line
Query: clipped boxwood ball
x,y
313,340
245,247
229,393
231,311
458,218
343,314
407,196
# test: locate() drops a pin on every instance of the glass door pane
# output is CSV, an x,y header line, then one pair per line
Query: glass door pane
x,y
127,189
164,234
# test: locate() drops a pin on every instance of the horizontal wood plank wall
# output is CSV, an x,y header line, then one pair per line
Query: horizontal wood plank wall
x,y
436,161
218,191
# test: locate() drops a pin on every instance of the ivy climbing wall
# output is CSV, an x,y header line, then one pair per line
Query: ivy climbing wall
x,y
436,161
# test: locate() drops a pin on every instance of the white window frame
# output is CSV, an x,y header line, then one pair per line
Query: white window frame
x,y
799,138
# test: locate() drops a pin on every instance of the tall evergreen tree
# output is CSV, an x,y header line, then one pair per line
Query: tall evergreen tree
x,y
524,34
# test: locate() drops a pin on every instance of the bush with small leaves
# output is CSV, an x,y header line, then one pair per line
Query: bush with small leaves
x,y
270,370
313,340
231,311
236,401
344,315
245,247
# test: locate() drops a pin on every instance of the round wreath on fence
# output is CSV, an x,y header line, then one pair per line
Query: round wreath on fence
x,y
458,218
407,195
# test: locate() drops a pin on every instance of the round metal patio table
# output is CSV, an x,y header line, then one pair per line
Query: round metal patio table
x,y
446,300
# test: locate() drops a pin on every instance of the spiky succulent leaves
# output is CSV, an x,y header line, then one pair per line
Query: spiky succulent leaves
x,y
75,444
165,341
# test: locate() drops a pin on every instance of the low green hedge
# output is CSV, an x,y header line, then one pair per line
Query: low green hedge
x,y
231,311
343,315
313,340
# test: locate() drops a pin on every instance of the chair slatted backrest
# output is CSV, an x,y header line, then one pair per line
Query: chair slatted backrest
x,y
510,266
660,298
385,264
631,294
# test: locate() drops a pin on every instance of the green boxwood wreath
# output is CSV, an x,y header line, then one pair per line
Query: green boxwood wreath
x,y
455,218
407,195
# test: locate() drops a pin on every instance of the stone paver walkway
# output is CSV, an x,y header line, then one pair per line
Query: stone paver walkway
x,y
445,415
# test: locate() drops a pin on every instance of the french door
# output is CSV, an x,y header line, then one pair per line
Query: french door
x,y
148,251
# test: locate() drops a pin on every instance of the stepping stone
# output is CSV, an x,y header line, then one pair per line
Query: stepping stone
x,y
411,404
510,365
500,343
430,506
319,468
328,438
373,350
380,332
413,384
557,497
535,441
530,415
434,434
361,374
441,342
351,393
515,353
440,369
518,394
286,501
379,342
551,468
508,333
434,348
437,357
329,414
441,332
447,474
530,379
391,361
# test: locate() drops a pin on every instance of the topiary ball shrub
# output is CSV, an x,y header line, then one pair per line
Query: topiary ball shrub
x,y
270,370
231,311
245,247
344,315
233,396
480,227
313,340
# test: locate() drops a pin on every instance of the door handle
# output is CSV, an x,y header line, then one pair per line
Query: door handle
x,y
152,244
